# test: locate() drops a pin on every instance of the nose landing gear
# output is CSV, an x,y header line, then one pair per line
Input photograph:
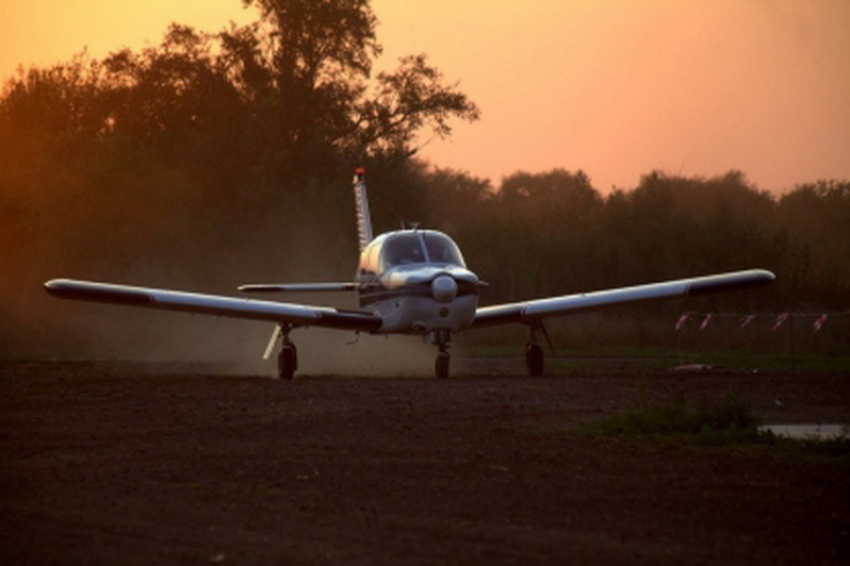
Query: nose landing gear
x,y
441,366
442,337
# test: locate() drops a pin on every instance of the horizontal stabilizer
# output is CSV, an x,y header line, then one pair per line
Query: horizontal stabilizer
x,y
296,287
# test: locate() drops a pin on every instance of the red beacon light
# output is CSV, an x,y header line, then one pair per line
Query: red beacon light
x,y
360,171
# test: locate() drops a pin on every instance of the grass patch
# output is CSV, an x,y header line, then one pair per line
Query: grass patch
x,y
729,419
728,422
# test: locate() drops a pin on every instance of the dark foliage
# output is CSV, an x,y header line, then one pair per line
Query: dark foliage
x,y
213,159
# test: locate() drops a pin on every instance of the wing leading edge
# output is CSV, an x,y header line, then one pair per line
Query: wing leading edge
x,y
554,306
218,305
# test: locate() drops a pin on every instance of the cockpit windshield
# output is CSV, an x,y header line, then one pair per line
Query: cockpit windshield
x,y
441,249
421,246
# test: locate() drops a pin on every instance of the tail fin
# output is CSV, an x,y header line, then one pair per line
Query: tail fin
x,y
364,220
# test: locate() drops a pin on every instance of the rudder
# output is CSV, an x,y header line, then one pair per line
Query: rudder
x,y
364,219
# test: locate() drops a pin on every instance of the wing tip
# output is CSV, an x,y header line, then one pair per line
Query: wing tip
x,y
259,288
732,281
97,292
56,286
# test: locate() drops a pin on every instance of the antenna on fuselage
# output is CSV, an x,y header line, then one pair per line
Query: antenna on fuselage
x,y
364,219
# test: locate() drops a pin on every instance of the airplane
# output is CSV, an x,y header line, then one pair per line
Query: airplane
x,y
409,281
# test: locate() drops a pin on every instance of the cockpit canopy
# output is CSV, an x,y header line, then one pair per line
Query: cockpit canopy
x,y
410,247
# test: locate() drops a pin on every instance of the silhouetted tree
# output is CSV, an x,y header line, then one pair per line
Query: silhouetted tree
x,y
211,155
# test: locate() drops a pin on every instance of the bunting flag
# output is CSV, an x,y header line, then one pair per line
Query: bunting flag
x,y
779,321
746,319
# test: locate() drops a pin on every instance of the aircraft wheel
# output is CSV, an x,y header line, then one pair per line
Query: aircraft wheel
x,y
287,362
441,367
534,359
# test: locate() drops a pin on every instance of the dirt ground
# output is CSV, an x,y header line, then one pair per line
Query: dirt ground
x,y
118,463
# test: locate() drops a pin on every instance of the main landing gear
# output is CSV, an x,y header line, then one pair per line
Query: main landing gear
x,y
533,350
287,359
534,359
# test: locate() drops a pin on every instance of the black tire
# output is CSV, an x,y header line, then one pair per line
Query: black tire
x,y
534,359
287,362
441,366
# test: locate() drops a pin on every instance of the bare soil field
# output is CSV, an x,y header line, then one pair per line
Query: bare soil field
x,y
119,463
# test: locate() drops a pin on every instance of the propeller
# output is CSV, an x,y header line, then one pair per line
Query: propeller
x,y
272,342
444,289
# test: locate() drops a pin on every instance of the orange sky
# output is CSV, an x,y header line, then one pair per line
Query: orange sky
x,y
616,88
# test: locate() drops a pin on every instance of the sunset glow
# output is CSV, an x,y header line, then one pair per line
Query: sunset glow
x,y
616,89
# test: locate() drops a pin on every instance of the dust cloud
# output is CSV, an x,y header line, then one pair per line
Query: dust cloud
x,y
235,347
59,329
323,352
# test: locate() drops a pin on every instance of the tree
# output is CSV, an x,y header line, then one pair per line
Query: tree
x,y
230,146
815,217
407,100
309,63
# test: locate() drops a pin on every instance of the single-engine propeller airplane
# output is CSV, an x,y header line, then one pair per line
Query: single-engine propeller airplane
x,y
409,281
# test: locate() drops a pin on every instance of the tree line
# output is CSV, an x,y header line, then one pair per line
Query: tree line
x,y
560,233
214,159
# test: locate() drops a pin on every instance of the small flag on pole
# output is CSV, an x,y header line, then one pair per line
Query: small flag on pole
x,y
705,322
818,324
745,320
779,321
682,320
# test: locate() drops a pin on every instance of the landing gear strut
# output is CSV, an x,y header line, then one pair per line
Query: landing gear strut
x,y
441,365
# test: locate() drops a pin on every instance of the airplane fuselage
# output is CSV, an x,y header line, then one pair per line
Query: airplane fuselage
x,y
417,282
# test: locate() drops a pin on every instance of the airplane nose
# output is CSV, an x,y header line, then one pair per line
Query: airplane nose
x,y
444,289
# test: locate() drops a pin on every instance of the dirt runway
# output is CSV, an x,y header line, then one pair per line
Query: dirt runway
x,y
116,463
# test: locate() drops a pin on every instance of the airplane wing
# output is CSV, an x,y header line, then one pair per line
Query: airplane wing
x,y
218,305
540,308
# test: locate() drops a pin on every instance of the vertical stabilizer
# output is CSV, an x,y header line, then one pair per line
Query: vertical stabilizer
x,y
364,220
